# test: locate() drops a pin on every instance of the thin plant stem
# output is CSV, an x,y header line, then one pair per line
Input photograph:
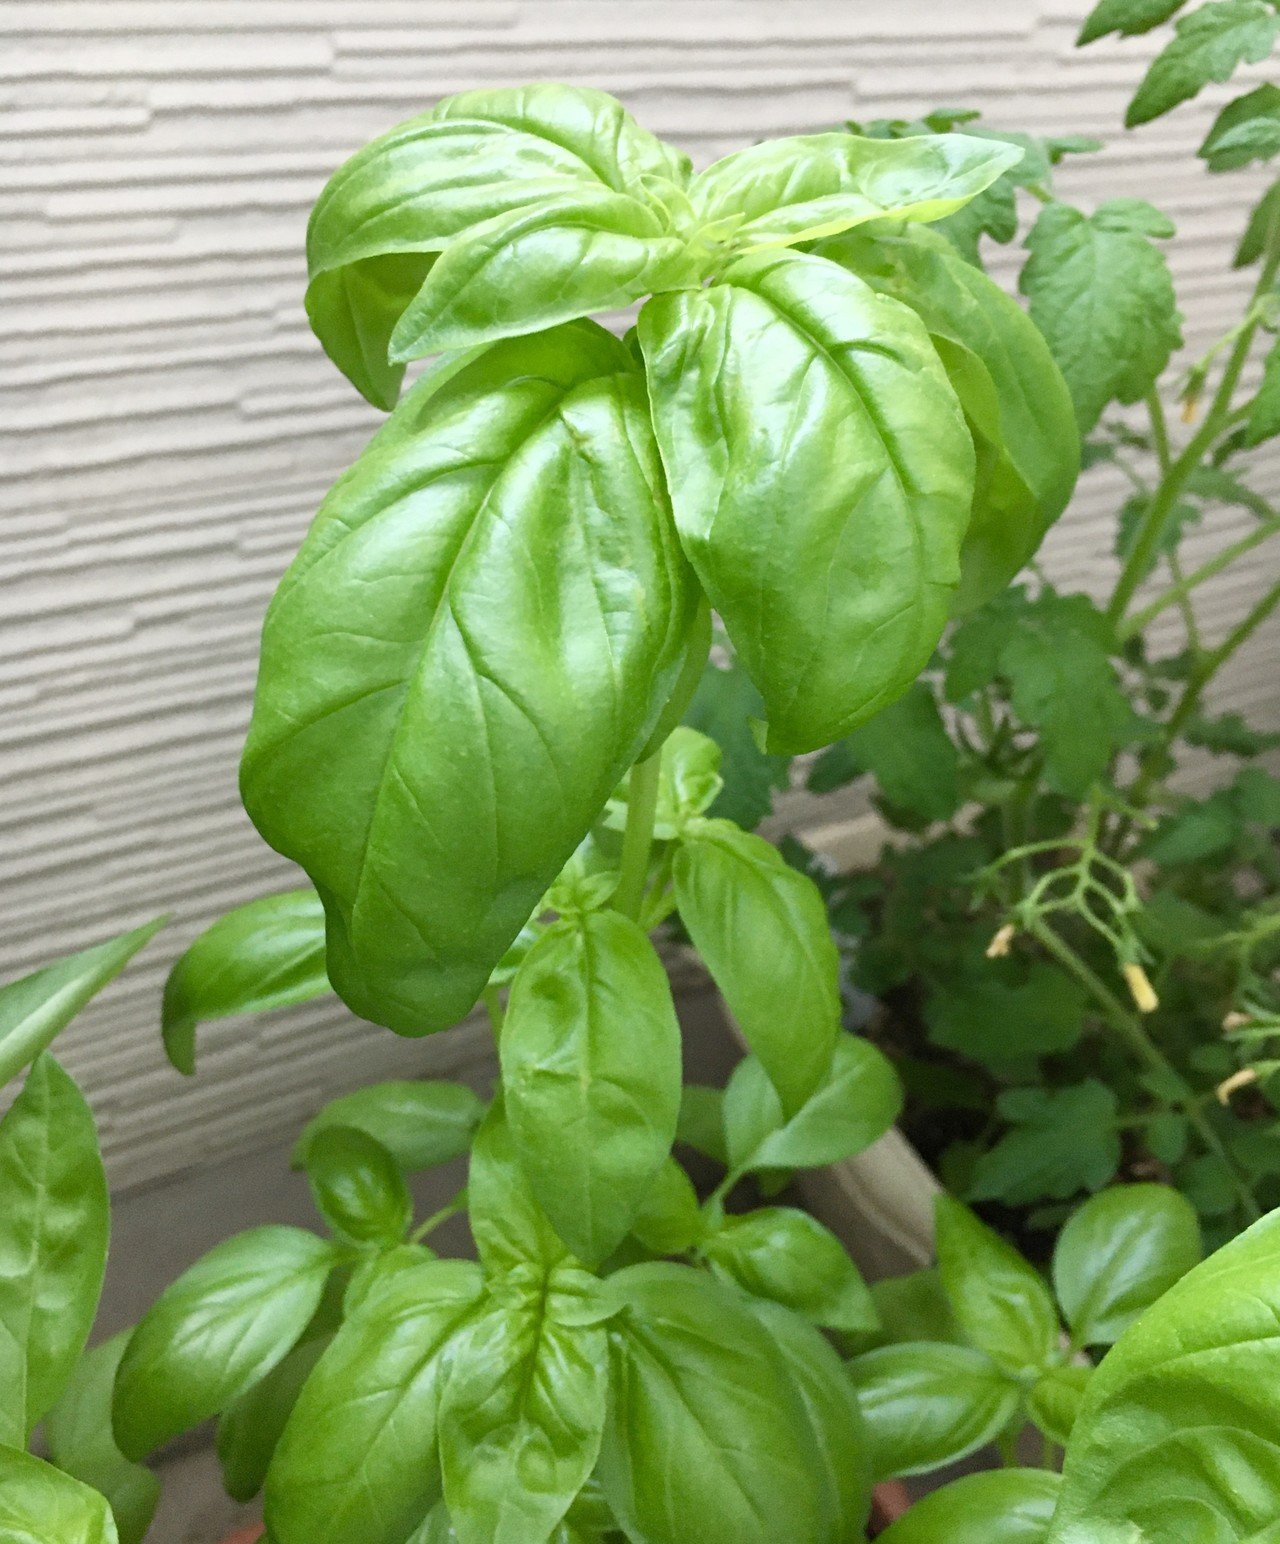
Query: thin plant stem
x,y
637,839
437,1219
1207,570
1159,430
1185,608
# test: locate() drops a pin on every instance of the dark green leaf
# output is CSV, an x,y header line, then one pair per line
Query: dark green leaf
x,y
1247,129
1264,223
438,719
1209,44
1119,1254
78,1432
1228,734
1003,1011
39,1503
35,1008
222,1326
701,1123
590,1054
914,1307
1055,1399
266,954
1005,1506
1064,1140
1263,422
1127,17
856,466
1198,830
723,707
421,1124
250,1430
358,1187
53,1243
907,748
1102,296
926,1405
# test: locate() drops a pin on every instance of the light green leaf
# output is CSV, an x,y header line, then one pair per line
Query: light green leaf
x,y
477,156
1063,1140
222,1326
78,1432
266,954
590,1053
376,1271
925,1405
1247,129
1119,1254
53,1243
761,927
707,1437
37,1007
689,782
510,1228
422,1124
857,1104
1055,1399
792,190
39,1503
1127,17
1102,296
825,515
521,1415
788,1257
1263,422
914,1307
1000,1302
440,718
1015,400
1209,44
1177,1438
250,1430
358,1187
1005,1506
357,1463
670,1220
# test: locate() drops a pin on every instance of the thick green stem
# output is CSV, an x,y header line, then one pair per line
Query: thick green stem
x,y
637,839
1128,1026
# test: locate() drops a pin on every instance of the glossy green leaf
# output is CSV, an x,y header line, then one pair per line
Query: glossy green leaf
x,y
793,190
358,1187
521,1415
250,1430
379,1270
1062,1141
37,1007
1000,1302
222,1326
39,1503
1055,1399
78,1433
266,954
53,1243
670,1219
1209,44
1177,1436
422,1124
761,927
1005,1506
857,1104
439,719
476,158
689,782
1127,17
1119,1254
510,1228
925,1405
788,1257
357,1463
914,1307
590,1053
1015,400
834,1418
1246,130
1102,296
822,478
706,1437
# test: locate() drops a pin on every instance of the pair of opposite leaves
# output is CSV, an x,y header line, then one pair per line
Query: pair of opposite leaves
x,y
496,602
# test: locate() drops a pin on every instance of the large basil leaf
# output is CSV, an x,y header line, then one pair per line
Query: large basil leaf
x,y
856,1105
1014,397
761,927
706,1437
266,954
467,653
475,158
78,1431
35,1008
357,1462
822,477
53,1243
1005,1506
835,1420
421,1124
1177,1437
788,1257
1119,1254
791,190
927,1404
39,1503
509,1227
521,1415
219,1328
590,1053
999,1300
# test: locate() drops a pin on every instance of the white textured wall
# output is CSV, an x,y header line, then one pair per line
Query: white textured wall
x,y
170,424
